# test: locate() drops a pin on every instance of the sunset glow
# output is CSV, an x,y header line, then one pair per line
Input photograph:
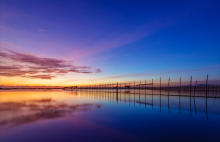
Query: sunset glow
x,y
110,70
81,42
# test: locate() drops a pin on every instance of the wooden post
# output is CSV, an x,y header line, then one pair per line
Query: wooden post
x,y
152,84
139,92
206,85
129,86
139,86
117,93
125,87
160,94
190,85
168,84
145,87
152,87
169,81
134,85
160,84
125,94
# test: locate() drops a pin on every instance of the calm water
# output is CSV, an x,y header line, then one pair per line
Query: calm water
x,y
57,115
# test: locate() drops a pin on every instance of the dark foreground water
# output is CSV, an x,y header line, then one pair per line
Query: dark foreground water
x,y
57,115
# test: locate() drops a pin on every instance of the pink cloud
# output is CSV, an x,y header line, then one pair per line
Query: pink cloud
x,y
31,66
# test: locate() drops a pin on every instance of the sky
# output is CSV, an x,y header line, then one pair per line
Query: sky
x,y
61,42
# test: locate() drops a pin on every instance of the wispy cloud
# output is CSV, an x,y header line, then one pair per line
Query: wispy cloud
x,y
31,66
3,28
114,40
9,45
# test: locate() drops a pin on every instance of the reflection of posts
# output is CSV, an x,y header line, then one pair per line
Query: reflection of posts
x,y
160,100
206,109
139,91
179,101
105,92
168,95
190,95
145,94
152,94
160,94
190,106
152,101
144,103
134,93
125,95
194,97
206,96
110,93
120,93
195,104
129,93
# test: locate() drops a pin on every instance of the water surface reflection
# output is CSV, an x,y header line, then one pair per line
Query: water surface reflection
x,y
35,110
92,115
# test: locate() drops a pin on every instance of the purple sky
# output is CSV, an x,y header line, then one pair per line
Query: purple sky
x,y
55,42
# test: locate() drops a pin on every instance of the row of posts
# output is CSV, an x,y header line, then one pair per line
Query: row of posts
x,y
111,86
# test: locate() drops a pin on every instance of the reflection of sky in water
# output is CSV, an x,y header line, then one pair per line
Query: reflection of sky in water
x,y
56,115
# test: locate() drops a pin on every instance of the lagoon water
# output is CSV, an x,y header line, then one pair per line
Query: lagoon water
x,y
92,115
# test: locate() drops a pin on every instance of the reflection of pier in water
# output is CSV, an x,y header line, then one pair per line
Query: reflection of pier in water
x,y
143,98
